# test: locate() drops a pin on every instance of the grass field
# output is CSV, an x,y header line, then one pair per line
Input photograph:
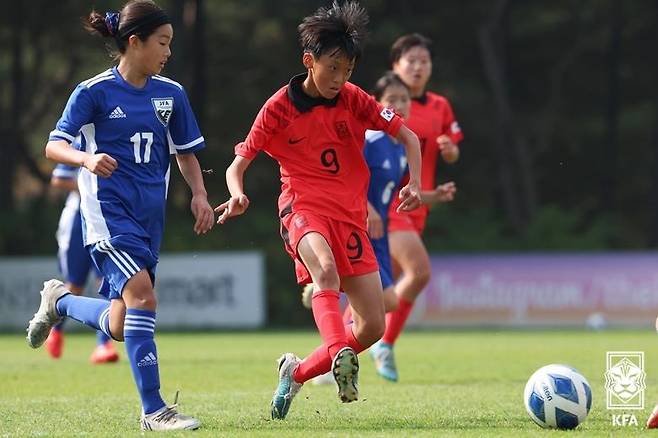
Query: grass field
x,y
453,384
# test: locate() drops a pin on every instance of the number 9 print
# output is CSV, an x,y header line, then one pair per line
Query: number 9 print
x,y
329,159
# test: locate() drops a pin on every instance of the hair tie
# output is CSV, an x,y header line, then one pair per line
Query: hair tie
x,y
112,23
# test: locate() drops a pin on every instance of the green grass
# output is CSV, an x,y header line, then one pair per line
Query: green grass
x,y
454,384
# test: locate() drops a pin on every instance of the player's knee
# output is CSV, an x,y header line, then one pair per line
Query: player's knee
x,y
116,329
420,275
370,330
390,303
145,301
327,276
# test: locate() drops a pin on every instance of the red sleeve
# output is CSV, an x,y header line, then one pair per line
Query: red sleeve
x,y
450,126
370,112
267,124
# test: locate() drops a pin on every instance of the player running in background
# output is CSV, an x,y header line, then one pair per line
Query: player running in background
x,y
74,261
432,119
314,127
130,119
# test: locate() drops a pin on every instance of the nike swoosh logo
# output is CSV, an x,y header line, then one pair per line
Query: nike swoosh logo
x,y
295,140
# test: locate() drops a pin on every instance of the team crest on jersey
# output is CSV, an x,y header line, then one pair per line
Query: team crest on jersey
x,y
387,114
342,130
163,108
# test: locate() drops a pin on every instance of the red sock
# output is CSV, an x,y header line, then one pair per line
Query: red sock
x,y
347,315
326,311
316,363
352,342
395,321
319,361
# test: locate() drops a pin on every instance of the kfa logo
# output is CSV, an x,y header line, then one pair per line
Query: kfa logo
x,y
624,420
625,384
163,108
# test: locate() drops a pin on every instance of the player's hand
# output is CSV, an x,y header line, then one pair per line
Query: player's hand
x,y
375,225
409,197
203,213
233,207
100,164
445,192
449,150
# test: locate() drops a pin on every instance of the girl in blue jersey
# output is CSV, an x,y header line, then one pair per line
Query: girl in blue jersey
x,y
130,119
387,165
75,262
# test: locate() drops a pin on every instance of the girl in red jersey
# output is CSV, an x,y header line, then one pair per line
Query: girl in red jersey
x,y
433,121
314,127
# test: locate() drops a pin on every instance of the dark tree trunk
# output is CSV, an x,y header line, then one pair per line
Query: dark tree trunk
x,y
611,140
514,161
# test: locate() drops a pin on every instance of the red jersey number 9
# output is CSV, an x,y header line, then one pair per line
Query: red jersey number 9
x,y
329,159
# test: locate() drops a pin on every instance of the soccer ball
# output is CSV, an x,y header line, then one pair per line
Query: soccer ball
x,y
557,396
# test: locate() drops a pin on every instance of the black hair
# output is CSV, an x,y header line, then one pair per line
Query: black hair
x,y
389,78
406,42
341,27
137,17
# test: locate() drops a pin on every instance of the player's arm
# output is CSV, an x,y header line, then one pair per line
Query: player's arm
x,y
442,193
62,152
449,150
69,184
375,223
201,209
238,202
410,194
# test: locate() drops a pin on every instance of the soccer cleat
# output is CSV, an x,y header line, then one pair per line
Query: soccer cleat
x,y
104,353
345,369
652,422
55,343
324,379
47,316
287,389
168,418
307,295
382,354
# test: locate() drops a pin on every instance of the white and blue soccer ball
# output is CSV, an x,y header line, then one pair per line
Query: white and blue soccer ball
x,y
557,397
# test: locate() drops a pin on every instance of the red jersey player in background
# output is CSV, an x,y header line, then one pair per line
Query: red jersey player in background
x,y
433,121
314,127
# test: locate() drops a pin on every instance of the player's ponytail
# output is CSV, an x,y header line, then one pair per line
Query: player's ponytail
x,y
137,17
105,26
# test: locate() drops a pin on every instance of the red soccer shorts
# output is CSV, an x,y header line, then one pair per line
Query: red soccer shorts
x,y
349,244
408,221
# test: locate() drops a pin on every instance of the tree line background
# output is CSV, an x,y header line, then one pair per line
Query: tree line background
x,y
558,102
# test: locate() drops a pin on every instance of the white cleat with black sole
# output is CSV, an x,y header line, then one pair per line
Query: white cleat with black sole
x,y
39,326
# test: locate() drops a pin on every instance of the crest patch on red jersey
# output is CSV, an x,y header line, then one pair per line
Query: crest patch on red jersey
x,y
342,130
387,114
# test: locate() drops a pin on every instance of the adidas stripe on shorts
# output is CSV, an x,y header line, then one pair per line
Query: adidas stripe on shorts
x,y
119,259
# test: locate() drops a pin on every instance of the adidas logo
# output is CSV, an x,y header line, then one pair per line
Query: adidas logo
x,y
387,164
150,358
117,113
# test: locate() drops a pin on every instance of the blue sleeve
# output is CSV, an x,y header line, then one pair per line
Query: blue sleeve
x,y
367,152
184,132
64,171
78,112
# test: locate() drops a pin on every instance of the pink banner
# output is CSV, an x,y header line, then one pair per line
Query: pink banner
x,y
541,290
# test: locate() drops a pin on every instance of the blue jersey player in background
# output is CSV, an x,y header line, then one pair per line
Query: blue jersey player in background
x,y
387,168
74,261
130,119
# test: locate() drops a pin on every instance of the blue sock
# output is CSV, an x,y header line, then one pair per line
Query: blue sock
x,y
93,312
138,332
101,338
